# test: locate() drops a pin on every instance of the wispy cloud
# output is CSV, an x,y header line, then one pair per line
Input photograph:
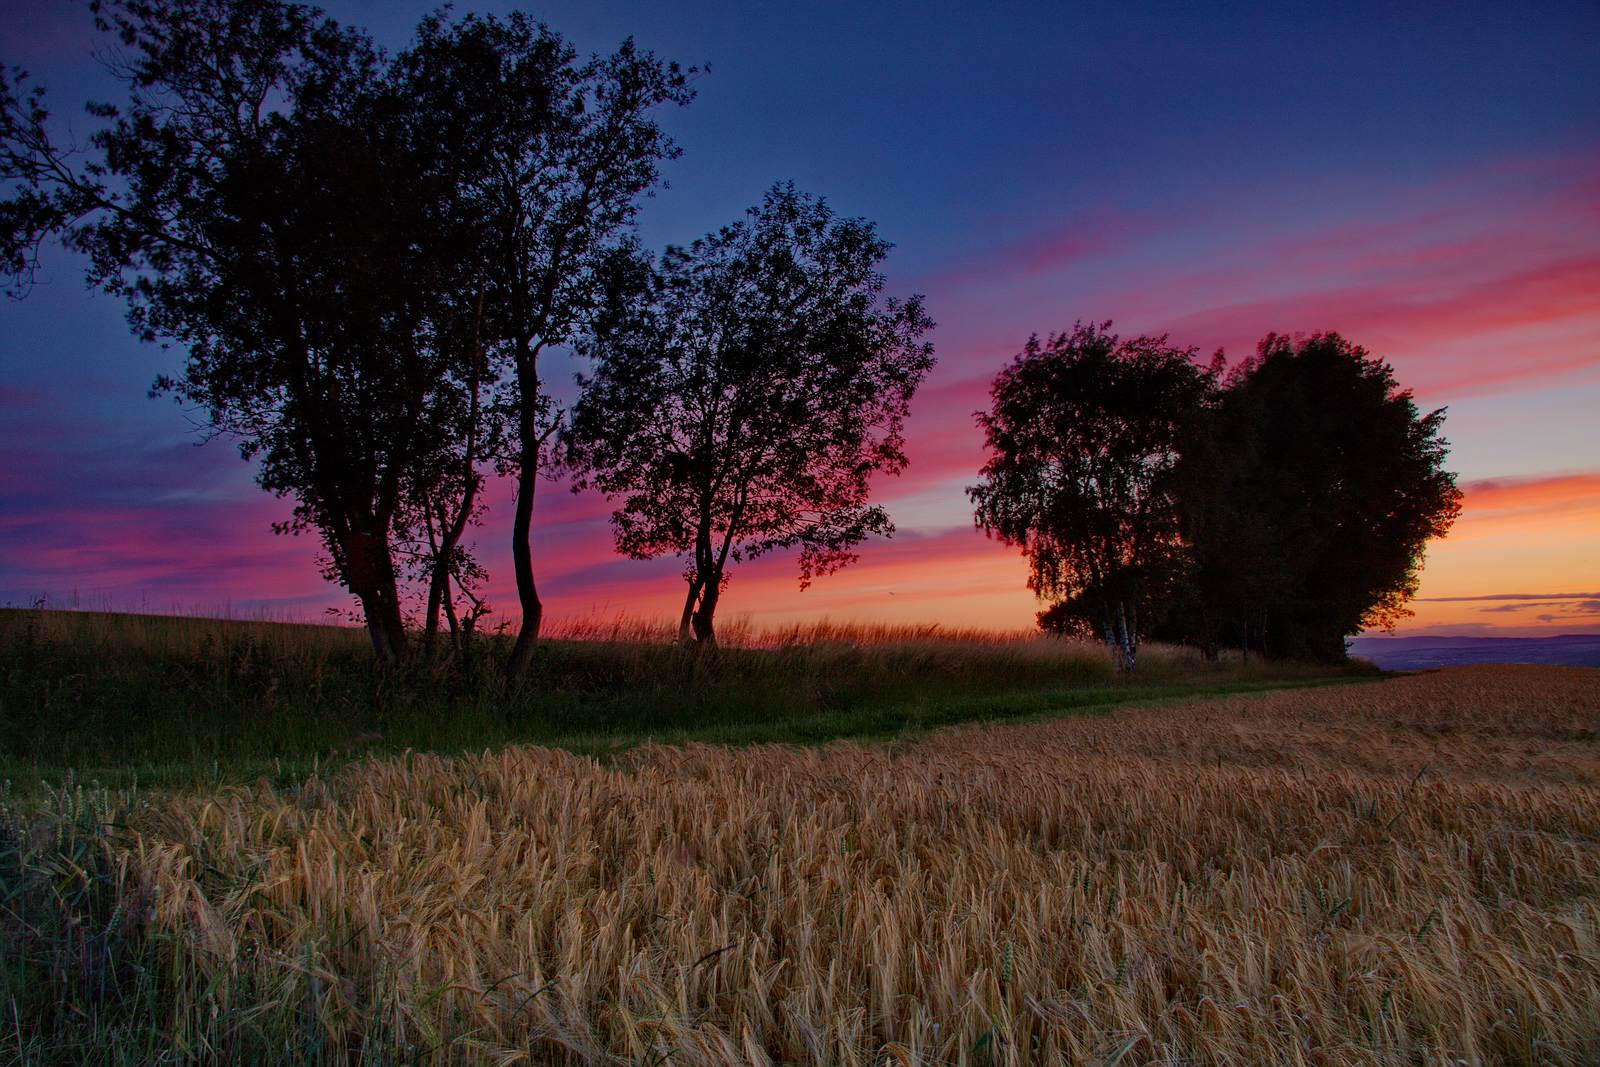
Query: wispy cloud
x,y
1543,598
1483,283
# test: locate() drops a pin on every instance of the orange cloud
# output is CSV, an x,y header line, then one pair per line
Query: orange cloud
x,y
1521,498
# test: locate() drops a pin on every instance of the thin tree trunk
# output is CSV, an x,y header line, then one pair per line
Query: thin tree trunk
x,y
702,602
684,634
1130,637
443,554
522,522
449,604
462,627
711,589
522,566
1122,638
436,597
452,531
430,621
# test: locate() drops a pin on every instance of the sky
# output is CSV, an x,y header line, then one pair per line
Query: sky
x,y
1424,179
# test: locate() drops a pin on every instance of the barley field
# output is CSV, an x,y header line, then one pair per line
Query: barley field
x,y
1397,872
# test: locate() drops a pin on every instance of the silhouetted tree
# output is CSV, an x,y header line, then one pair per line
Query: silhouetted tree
x,y
364,258
556,152
265,199
747,405
1310,506
1233,571
1085,433
447,498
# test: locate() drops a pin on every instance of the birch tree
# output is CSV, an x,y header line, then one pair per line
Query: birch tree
x,y
1085,431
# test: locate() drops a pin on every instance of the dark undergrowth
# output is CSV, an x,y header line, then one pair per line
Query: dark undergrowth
x,y
154,702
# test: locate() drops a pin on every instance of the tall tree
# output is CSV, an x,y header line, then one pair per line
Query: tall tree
x,y
1085,433
747,406
1233,572
447,498
1321,487
556,151
264,199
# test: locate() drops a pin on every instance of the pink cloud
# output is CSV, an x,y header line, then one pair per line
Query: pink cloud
x,y
1415,324
1484,281
1521,497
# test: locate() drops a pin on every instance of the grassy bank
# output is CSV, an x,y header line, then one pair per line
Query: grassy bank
x,y
164,702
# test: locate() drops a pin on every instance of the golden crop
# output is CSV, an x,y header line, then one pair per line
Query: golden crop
x,y
1404,871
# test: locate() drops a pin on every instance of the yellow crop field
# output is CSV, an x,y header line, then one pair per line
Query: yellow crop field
x,y
1396,872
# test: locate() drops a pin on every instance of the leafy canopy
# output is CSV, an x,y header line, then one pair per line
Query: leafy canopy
x,y
267,198
748,403
1084,433
1325,485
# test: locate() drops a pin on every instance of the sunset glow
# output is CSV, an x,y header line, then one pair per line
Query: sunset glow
x,y
1471,263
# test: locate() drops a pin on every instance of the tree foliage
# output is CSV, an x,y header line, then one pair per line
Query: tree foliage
x,y
362,256
1281,507
265,198
746,406
556,151
1085,432
1311,502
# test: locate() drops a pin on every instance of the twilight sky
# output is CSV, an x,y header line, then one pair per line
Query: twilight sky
x,y
1427,185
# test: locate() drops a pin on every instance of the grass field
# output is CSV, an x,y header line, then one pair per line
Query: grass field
x,y
172,702
1403,871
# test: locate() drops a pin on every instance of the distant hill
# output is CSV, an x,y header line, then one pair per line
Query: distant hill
x,y
1417,653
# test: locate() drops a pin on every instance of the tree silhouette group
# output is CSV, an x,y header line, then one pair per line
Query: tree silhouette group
x,y
1283,504
364,256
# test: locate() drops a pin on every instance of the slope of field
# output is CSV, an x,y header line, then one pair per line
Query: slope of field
x,y
1400,872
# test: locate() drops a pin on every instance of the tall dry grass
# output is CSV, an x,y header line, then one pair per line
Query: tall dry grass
x,y
168,633
1395,873
170,702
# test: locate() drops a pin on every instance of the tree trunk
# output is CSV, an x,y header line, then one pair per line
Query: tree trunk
x,y
436,584
1124,662
1130,637
522,527
443,555
452,531
383,626
450,615
430,626
684,635
369,573
1111,638
705,632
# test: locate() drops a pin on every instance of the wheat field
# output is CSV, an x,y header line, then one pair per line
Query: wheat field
x,y
1397,872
